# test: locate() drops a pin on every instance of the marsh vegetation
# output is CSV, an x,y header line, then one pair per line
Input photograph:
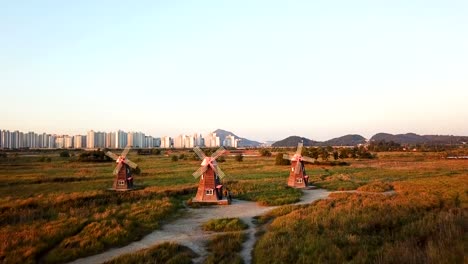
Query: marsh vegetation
x,y
61,210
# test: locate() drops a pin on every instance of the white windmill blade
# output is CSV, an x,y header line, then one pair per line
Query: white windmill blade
x,y
199,153
125,152
299,148
298,168
200,171
308,159
117,168
286,156
218,153
220,173
131,163
111,155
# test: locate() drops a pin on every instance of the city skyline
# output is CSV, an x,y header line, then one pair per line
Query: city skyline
x,y
265,70
16,139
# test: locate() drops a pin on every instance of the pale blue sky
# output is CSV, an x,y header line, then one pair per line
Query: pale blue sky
x,y
263,69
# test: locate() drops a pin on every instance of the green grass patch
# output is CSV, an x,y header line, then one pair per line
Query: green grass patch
x,y
169,253
225,225
223,249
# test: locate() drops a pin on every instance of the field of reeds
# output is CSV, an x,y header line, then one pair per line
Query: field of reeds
x,y
60,210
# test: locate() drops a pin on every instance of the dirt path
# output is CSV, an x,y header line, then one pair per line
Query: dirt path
x,y
187,230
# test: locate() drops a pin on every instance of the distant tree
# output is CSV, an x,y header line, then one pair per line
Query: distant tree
x,y
65,154
335,155
174,158
156,151
314,153
280,161
194,157
239,157
265,153
324,154
48,159
221,159
182,156
343,153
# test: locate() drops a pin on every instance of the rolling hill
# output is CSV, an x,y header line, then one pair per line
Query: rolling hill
x,y
243,143
292,142
412,138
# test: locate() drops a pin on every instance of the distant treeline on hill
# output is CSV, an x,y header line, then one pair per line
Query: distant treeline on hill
x,y
353,140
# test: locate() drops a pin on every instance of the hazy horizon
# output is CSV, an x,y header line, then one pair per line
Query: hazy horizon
x,y
264,70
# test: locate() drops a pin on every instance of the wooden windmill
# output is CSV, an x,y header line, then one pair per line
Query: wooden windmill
x,y
210,188
123,176
297,176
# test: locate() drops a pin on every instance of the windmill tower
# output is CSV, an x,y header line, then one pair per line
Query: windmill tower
x,y
297,175
123,177
210,188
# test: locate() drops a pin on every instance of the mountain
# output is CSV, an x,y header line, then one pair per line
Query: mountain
x,y
347,140
292,142
408,138
412,138
243,143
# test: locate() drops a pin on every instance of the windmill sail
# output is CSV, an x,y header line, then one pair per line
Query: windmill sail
x,y
111,155
199,153
200,171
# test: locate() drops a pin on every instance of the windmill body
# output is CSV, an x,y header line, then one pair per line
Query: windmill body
x,y
210,188
298,177
123,180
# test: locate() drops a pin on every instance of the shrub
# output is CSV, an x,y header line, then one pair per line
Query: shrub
x,y
221,159
156,151
174,158
376,186
163,253
225,225
182,156
223,249
265,153
65,154
279,160
239,157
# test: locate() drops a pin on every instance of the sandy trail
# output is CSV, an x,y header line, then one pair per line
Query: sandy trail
x,y
187,230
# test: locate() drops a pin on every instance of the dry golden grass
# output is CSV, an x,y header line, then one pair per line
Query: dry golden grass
x,y
59,211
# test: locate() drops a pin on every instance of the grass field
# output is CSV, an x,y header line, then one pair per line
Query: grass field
x,y
58,211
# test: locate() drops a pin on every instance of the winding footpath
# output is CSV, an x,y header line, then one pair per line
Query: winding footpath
x,y
187,230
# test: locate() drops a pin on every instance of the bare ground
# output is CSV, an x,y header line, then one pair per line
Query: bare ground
x,y
187,230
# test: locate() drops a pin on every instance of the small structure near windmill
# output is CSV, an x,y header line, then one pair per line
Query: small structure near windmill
x,y
123,180
210,188
297,175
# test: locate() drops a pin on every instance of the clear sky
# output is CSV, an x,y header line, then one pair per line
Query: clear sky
x,y
262,69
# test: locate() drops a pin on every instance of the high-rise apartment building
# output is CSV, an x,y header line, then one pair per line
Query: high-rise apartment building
x,y
121,139
166,142
68,142
212,141
90,139
231,141
110,140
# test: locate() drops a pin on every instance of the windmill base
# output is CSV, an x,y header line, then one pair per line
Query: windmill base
x,y
218,202
125,190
